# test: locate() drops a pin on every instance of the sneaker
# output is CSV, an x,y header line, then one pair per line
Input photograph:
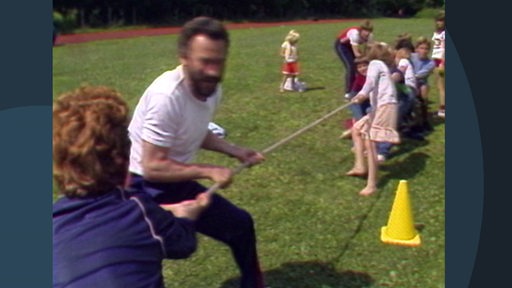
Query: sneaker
x,y
217,130
301,86
441,113
381,158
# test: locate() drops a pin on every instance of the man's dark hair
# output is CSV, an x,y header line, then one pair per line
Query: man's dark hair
x,y
202,25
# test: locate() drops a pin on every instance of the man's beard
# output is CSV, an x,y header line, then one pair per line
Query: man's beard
x,y
203,86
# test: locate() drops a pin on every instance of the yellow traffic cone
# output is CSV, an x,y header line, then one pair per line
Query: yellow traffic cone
x,y
400,229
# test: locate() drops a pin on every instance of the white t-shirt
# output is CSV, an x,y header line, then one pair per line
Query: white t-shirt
x,y
438,47
354,37
292,55
409,78
379,85
168,115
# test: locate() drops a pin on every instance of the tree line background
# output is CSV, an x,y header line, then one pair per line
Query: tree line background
x,y
72,14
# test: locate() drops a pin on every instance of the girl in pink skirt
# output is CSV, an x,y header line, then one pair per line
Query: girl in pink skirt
x,y
380,124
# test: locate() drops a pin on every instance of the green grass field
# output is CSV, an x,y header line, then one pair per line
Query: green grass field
x,y
313,228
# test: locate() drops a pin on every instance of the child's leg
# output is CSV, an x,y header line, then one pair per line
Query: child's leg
x,y
283,82
347,134
359,168
371,185
347,57
383,150
358,112
441,87
405,107
425,123
424,89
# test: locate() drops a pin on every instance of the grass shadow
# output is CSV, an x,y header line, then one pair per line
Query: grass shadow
x,y
407,146
406,169
436,120
315,88
310,274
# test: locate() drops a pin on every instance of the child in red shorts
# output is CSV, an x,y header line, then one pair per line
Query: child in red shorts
x,y
290,67
438,55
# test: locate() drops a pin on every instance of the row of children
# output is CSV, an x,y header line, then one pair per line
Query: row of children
x,y
347,46
410,71
388,88
389,93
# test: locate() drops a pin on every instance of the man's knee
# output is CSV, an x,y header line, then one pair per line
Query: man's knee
x,y
245,221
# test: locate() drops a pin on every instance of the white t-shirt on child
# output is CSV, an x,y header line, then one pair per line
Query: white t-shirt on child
x,y
409,78
379,85
292,56
438,47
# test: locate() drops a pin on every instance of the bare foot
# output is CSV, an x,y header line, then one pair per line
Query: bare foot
x,y
367,191
357,172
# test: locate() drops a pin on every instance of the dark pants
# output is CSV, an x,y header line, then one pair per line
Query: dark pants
x,y
346,55
222,221
405,107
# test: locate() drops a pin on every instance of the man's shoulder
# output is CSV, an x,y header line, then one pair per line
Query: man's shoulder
x,y
169,77
354,31
166,83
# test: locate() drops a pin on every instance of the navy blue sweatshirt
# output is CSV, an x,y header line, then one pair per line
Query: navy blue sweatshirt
x,y
116,240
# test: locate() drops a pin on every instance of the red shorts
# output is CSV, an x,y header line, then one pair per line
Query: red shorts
x,y
438,62
290,68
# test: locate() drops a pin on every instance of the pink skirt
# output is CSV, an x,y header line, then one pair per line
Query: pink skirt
x,y
381,125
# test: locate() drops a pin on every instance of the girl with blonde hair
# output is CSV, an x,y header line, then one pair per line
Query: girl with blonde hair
x,y
380,124
290,66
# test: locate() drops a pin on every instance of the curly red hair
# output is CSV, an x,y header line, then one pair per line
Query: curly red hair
x,y
90,141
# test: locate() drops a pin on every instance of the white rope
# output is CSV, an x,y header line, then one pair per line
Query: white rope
x,y
283,141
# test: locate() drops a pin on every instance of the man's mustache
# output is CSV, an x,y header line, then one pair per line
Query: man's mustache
x,y
211,79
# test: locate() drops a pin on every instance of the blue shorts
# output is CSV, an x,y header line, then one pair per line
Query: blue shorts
x,y
421,82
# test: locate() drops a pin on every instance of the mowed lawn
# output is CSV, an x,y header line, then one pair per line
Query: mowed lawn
x,y
313,228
